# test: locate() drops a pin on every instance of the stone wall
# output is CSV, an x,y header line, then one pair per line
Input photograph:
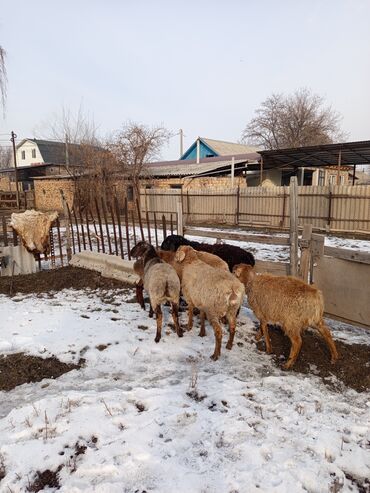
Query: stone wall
x,y
47,193
198,183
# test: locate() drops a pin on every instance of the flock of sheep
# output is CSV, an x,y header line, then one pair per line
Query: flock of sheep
x,y
214,279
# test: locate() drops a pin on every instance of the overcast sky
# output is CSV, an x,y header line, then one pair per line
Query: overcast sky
x,y
203,66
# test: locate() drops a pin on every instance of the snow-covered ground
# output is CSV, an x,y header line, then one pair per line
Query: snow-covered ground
x,y
245,426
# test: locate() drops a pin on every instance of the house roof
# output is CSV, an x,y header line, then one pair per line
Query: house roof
x,y
318,155
224,148
50,150
206,165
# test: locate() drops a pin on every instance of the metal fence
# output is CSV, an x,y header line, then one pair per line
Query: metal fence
x,y
332,208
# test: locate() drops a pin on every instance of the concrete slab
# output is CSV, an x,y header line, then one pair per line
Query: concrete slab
x,y
109,266
16,260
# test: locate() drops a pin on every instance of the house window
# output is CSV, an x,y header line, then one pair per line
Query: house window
x,y
130,193
33,153
148,187
176,186
333,179
321,181
23,154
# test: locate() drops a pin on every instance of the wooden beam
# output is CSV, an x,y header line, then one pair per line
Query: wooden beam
x,y
293,225
268,240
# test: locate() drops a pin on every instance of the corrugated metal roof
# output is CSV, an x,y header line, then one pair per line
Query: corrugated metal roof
x,y
223,148
186,168
319,155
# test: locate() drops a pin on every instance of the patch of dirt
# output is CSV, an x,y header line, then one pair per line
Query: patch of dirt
x,y
57,279
45,479
352,367
17,369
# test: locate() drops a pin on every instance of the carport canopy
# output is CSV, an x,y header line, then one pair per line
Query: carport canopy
x,y
343,154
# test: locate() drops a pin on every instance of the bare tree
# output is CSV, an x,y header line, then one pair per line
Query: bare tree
x,y
5,157
134,146
3,77
87,160
299,119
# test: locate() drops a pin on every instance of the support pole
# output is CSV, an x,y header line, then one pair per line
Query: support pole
x,y
180,224
232,171
293,231
15,167
338,168
181,133
261,171
354,174
68,226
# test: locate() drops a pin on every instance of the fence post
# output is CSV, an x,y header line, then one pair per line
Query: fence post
x,y
68,226
305,246
293,230
180,224
237,206
329,207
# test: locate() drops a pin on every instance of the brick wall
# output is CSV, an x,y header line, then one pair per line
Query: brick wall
x,y
198,183
47,193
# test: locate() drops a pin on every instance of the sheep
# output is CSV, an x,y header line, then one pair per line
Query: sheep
x,y
208,258
139,271
216,293
161,282
288,302
231,254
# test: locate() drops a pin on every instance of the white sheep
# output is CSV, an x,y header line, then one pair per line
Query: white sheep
x,y
161,283
215,292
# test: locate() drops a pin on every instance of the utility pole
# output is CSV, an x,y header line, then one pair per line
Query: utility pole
x,y
181,133
15,166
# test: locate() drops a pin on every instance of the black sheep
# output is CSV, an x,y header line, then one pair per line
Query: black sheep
x,y
232,255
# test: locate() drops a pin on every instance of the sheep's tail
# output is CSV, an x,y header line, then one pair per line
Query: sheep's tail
x,y
166,292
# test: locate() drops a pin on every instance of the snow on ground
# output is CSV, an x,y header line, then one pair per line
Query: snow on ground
x,y
245,426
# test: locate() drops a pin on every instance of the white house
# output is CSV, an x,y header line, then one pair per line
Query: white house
x,y
31,152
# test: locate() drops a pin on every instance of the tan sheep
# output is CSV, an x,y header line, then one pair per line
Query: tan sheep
x,y
208,258
215,292
288,302
161,283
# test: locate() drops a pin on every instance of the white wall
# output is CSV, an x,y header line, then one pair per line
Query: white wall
x,y
27,147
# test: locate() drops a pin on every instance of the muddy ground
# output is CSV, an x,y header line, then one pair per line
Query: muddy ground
x,y
352,369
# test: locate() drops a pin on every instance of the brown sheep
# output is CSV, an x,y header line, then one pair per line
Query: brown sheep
x,y
288,302
160,281
215,292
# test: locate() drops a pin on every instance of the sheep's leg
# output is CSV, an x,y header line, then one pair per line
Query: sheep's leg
x,y
326,334
190,315
265,331
259,334
218,339
232,325
139,294
175,316
202,332
151,311
159,319
296,340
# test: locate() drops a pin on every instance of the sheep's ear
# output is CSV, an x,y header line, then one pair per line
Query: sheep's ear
x,y
180,255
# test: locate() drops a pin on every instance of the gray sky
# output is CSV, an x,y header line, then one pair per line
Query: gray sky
x,y
203,66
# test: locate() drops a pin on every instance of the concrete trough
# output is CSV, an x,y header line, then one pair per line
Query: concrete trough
x,y
109,266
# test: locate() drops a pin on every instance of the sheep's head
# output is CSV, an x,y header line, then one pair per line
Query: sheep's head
x,y
173,242
244,272
185,252
140,249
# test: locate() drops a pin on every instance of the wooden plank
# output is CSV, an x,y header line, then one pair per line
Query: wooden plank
x,y
60,242
100,225
140,220
5,231
275,268
267,240
127,230
155,229
346,254
293,225
104,209
116,205
305,244
114,228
